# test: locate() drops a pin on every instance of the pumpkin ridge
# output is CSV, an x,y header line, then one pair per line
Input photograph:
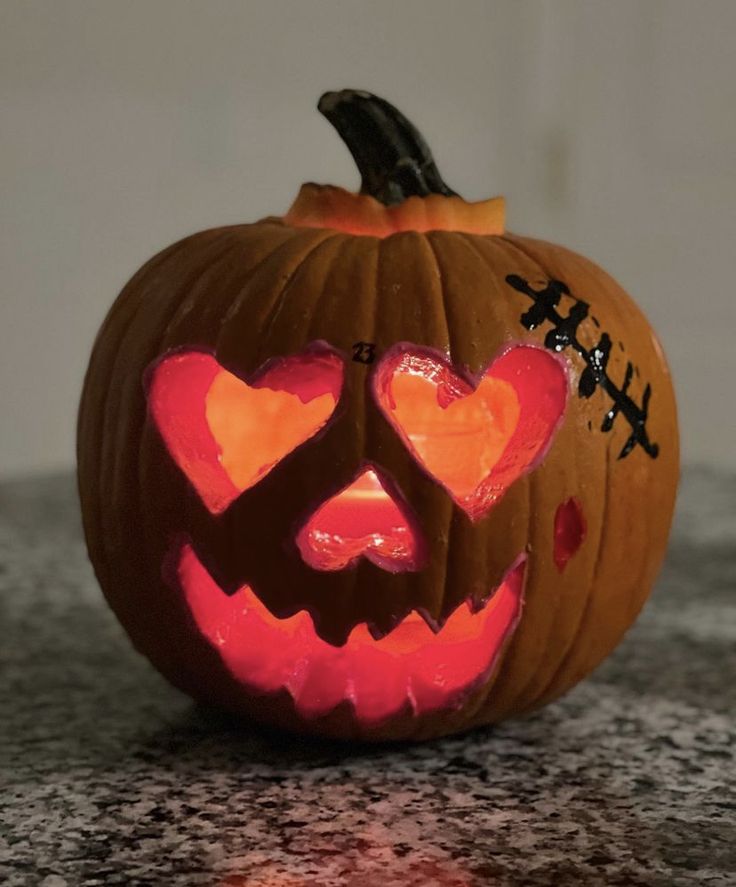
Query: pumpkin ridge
x,y
285,241
129,300
129,387
455,517
429,239
145,430
564,660
474,241
282,298
529,483
90,459
496,242
452,250
571,647
291,243
486,690
520,692
386,447
256,495
143,288
565,656
91,515
362,576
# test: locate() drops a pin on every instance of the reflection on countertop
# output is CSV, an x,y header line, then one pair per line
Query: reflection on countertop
x,y
113,778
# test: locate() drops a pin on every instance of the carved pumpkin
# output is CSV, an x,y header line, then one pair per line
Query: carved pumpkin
x,y
377,468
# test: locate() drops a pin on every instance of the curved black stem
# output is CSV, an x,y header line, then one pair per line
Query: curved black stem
x,y
393,159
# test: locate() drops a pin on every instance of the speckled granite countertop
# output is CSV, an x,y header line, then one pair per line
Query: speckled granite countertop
x,y
109,776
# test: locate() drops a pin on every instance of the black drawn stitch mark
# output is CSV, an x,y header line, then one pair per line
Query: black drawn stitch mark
x,y
563,334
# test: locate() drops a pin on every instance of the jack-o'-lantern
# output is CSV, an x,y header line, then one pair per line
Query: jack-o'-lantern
x,y
376,468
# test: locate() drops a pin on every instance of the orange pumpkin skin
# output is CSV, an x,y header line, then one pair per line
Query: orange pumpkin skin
x,y
250,293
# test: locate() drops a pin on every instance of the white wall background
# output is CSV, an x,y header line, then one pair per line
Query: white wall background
x,y
610,127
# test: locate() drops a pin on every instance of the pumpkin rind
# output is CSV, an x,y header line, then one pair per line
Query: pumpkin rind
x,y
342,269
255,292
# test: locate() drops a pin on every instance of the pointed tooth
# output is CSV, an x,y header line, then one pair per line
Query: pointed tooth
x,y
377,632
476,607
317,625
434,625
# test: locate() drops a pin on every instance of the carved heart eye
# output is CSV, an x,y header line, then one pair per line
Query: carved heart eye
x,y
226,434
475,437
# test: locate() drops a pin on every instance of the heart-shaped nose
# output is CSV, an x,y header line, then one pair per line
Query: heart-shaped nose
x,y
363,520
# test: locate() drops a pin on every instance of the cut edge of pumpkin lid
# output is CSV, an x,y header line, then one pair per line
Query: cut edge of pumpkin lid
x,y
329,206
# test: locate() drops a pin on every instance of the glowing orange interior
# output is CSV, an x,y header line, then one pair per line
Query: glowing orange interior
x,y
478,426
362,519
225,433
251,427
410,667
475,437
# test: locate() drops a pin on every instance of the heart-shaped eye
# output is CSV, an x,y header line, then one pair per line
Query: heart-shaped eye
x,y
225,433
475,437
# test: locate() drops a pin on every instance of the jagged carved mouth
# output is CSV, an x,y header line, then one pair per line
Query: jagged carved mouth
x,y
415,666
473,435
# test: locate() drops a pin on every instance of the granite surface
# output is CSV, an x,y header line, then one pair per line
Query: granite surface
x,y
109,776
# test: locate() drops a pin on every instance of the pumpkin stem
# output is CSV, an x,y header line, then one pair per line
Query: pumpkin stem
x,y
393,159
